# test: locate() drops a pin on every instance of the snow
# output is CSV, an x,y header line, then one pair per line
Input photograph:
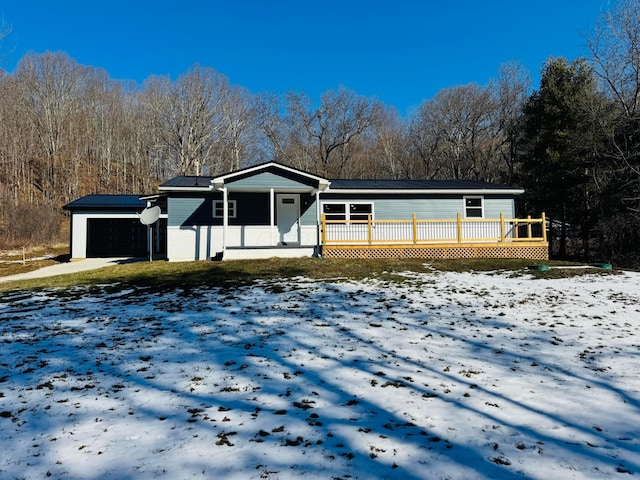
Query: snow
x,y
440,375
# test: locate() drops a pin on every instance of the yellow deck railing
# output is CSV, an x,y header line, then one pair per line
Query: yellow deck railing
x,y
423,232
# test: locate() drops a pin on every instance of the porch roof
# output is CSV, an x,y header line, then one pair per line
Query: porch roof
x,y
269,175
256,178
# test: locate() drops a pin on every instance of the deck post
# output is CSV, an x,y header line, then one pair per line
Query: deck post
x,y
323,228
369,229
415,229
529,234
502,227
544,227
459,221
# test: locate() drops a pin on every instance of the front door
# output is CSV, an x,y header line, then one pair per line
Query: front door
x,y
288,217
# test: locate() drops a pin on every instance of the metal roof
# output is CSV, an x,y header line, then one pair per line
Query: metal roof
x,y
99,201
348,184
357,184
188,181
203,183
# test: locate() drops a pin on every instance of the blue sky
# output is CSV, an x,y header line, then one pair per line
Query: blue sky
x,y
402,52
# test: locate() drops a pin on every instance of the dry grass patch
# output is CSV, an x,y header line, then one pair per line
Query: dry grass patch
x,y
161,275
17,261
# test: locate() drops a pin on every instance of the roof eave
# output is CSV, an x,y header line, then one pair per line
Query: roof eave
x,y
422,191
155,196
218,182
76,208
208,188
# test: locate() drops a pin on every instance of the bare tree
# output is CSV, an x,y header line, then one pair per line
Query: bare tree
x,y
455,134
614,47
273,127
111,138
510,92
424,140
241,132
319,139
388,148
49,86
615,54
11,141
188,115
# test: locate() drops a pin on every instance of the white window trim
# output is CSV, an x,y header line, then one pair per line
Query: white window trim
x,y
481,208
232,208
347,208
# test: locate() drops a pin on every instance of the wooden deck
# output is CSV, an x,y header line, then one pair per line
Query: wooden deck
x,y
452,238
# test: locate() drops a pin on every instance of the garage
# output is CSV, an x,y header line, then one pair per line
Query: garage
x,y
109,226
116,237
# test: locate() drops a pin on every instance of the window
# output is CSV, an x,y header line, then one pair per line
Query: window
x,y
334,211
347,211
473,207
360,211
218,208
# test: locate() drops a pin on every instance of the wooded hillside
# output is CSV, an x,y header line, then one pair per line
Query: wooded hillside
x,y
573,142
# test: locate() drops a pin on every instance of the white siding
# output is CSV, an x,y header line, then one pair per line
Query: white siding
x,y
79,230
193,243
204,242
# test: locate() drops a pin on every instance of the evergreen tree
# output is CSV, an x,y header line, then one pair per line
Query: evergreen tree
x,y
561,141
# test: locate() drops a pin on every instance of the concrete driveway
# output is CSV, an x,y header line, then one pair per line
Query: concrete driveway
x,y
68,267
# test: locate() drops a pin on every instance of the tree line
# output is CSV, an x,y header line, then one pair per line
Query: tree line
x,y
573,143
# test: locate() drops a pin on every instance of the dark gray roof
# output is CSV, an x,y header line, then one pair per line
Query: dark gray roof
x,y
202,182
188,181
348,184
115,202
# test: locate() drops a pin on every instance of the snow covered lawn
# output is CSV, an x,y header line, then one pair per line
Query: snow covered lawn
x,y
442,375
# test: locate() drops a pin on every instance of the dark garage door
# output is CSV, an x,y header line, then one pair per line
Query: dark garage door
x,y
116,237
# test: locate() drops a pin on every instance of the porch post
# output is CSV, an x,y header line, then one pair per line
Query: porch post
x,y
502,227
318,227
225,217
272,220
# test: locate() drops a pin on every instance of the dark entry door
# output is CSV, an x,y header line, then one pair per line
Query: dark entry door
x,y
116,237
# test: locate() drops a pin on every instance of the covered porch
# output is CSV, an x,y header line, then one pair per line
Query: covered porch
x,y
283,219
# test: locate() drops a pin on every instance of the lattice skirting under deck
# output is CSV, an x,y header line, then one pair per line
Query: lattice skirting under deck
x,y
533,252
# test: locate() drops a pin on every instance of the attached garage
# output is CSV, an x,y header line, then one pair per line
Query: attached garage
x,y
109,226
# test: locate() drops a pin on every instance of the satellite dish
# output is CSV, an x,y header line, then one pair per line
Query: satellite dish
x,y
150,215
